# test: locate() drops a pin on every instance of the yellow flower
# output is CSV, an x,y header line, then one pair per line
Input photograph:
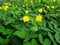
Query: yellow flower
x,y
5,7
40,10
25,18
52,7
26,11
38,18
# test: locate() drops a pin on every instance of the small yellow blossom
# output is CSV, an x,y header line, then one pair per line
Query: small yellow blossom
x,y
38,18
52,7
5,7
25,18
26,11
40,10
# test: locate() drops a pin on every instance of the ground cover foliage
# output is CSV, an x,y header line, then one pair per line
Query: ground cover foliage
x,y
30,22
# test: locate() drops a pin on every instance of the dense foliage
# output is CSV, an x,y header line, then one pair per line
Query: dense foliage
x,y
30,22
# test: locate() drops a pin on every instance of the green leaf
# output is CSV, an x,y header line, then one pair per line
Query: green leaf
x,y
1,40
47,42
46,29
43,23
57,36
40,39
16,42
58,29
34,28
33,35
26,43
32,19
6,41
50,25
28,37
17,12
51,36
2,29
34,42
55,24
20,34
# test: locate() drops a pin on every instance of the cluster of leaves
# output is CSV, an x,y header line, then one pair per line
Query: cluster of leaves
x,y
14,31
